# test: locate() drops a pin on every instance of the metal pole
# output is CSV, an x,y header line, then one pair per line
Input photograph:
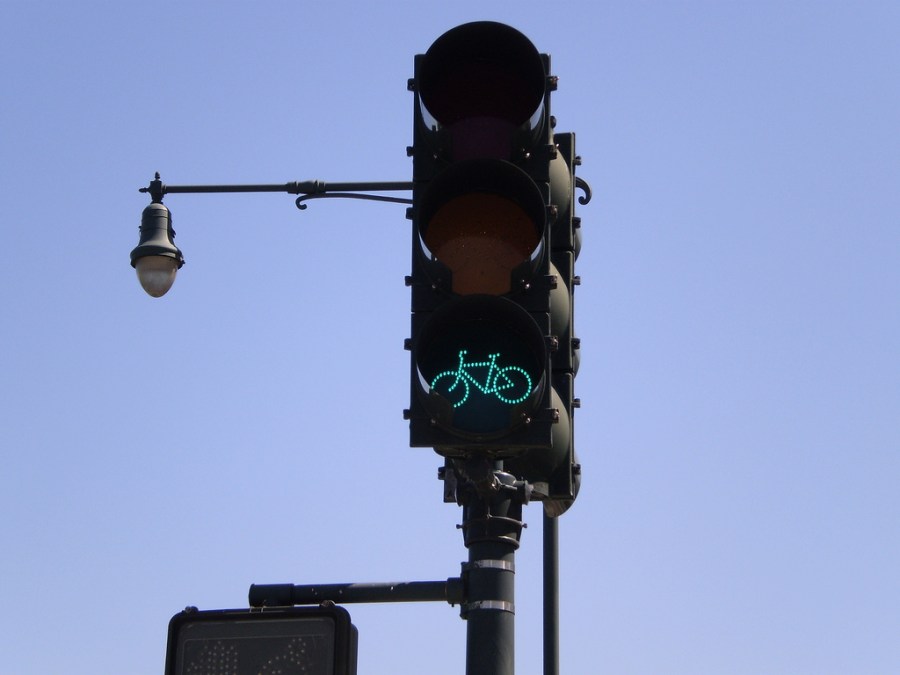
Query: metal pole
x,y
490,610
492,525
551,595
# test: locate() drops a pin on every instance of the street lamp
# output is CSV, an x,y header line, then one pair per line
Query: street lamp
x,y
156,258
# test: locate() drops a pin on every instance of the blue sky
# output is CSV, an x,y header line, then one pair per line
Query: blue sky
x,y
739,316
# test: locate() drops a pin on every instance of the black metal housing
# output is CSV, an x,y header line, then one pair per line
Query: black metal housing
x,y
245,641
478,81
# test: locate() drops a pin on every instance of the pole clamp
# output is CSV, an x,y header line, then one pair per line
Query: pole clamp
x,y
495,605
503,565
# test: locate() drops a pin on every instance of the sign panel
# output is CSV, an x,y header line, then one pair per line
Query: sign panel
x,y
284,640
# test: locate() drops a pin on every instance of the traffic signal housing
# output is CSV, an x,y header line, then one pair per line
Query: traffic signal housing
x,y
248,642
491,340
557,470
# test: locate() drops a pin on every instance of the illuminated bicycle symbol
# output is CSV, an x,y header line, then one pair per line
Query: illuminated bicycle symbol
x,y
510,384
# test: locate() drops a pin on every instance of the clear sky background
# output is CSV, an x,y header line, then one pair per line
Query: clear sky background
x,y
739,316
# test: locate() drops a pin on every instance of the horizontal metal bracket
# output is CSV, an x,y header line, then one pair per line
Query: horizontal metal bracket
x,y
307,189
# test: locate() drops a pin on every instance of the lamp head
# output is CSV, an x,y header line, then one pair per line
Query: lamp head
x,y
156,258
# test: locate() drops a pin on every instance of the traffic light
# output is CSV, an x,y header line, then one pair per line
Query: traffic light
x,y
249,642
558,470
493,240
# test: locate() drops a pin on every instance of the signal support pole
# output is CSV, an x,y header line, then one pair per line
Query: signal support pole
x,y
492,503
551,595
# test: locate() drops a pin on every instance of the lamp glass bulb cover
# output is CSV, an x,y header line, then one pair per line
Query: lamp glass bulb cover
x,y
156,273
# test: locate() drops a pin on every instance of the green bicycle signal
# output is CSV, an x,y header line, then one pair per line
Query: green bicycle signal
x,y
510,384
